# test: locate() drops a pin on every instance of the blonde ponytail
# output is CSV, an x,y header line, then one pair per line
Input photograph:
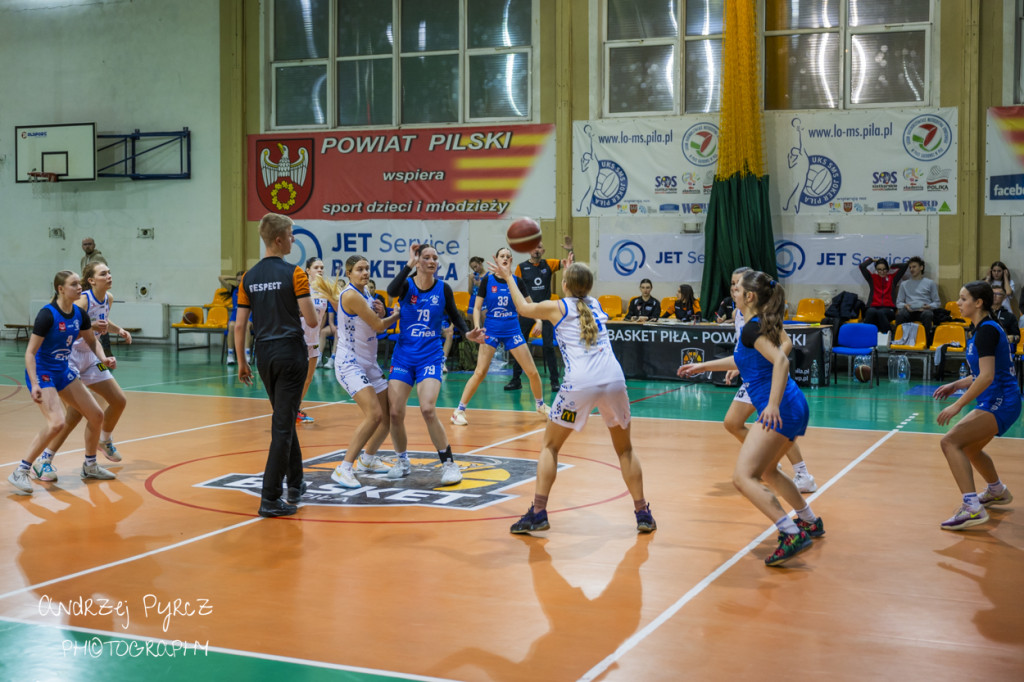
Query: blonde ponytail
x,y
588,325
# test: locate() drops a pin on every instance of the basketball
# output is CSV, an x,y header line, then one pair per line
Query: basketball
x,y
862,373
523,235
190,317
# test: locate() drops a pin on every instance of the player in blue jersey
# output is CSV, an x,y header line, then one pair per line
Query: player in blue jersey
x,y
423,301
783,414
993,385
52,381
502,325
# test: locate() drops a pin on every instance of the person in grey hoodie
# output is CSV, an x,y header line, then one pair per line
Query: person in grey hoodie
x,y
918,298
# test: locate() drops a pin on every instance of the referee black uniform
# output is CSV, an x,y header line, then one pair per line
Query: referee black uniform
x,y
272,289
537,279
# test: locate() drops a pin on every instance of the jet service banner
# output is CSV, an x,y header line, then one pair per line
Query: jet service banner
x,y
458,173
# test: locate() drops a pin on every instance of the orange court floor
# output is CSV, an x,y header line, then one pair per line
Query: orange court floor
x,y
167,572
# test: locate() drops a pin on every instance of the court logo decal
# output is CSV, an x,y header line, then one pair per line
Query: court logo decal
x,y
286,167
484,482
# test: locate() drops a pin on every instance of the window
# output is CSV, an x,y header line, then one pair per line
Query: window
x,y
662,56
338,63
1018,60
885,42
665,56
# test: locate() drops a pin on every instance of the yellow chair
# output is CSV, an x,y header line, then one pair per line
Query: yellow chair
x,y
810,310
461,300
954,313
612,306
216,318
919,343
195,310
668,305
947,334
221,298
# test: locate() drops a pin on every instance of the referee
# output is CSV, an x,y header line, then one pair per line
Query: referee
x,y
278,294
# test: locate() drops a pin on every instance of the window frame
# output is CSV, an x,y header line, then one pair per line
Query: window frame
x,y
844,32
333,59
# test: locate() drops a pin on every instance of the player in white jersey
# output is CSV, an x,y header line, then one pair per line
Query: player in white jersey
x,y
593,378
95,300
314,271
741,407
360,319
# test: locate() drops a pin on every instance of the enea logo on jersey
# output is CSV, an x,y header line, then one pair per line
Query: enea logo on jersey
x,y
927,137
484,480
286,168
700,144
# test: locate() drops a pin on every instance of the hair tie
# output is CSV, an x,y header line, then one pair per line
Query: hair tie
x,y
772,283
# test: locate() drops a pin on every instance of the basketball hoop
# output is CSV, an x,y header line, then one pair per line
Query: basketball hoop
x,y
40,176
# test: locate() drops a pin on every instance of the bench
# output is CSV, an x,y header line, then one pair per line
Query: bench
x,y
20,329
180,328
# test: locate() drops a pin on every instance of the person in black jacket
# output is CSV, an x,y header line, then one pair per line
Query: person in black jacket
x,y
687,308
644,307
1002,316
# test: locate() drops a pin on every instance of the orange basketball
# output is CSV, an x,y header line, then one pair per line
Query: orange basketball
x,y
190,317
523,235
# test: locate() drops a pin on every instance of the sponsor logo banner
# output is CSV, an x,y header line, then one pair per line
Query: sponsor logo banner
x,y
833,259
659,257
425,173
385,245
484,482
1004,161
858,162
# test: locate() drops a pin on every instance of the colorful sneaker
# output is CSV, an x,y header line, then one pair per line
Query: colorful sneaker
x,y
402,467
44,471
303,418
544,410
644,521
531,521
109,451
370,464
19,479
815,528
450,473
805,483
98,472
459,418
988,498
964,518
789,547
346,479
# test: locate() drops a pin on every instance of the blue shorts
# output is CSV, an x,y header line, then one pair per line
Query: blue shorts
x,y
413,373
51,378
510,341
1006,410
795,416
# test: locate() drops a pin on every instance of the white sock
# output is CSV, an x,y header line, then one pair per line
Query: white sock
x,y
104,436
787,525
402,455
971,501
996,488
800,468
806,514
346,466
48,453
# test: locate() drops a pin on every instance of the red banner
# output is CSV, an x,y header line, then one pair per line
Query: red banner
x,y
421,173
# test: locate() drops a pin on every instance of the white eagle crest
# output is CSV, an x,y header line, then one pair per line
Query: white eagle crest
x,y
285,167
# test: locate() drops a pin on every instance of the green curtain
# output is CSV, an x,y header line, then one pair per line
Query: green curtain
x,y
737,233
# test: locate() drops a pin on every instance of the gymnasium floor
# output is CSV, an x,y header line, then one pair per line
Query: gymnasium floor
x,y
425,584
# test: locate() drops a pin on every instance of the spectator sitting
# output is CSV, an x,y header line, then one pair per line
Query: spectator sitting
x,y
687,309
999,274
882,291
644,307
1005,318
918,299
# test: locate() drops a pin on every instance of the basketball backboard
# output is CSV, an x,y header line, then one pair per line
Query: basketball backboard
x,y
67,150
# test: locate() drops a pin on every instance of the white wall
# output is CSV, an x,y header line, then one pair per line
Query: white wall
x,y
151,65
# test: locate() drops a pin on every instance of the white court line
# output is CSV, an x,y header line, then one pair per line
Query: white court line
x,y
201,537
639,636
117,636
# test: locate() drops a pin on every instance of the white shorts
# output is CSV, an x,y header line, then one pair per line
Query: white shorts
x,y
89,367
314,351
572,406
742,396
353,377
